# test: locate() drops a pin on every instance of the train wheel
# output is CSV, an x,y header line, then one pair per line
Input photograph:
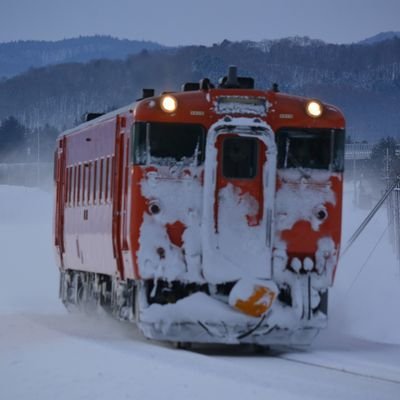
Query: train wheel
x,y
258,349
183,345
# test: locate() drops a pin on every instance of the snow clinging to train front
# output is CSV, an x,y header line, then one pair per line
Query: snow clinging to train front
x,y
178,195
305,200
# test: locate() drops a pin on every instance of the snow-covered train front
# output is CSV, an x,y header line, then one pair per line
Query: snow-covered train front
x,y
207,215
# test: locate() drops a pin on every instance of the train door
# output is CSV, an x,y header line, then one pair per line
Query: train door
x,y
59,180
121,199
238,203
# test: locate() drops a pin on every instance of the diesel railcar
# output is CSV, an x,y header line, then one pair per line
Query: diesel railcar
x,y
212,214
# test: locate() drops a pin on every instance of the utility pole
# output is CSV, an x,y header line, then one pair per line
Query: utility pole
x,y
38,158
355,197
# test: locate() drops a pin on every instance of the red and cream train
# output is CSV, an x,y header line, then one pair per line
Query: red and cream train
x,y
207,215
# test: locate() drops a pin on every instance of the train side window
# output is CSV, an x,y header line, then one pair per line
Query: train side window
x,y
84,183
66,176
78,195
68,188
101,181
239,157
71,170
89,183
74,188
110,182
94,181
71,187
106,180
67,185
91,180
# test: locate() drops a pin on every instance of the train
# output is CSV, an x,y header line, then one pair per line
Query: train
x,y
206,215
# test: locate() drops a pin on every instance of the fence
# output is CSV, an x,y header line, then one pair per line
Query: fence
x,y
358,151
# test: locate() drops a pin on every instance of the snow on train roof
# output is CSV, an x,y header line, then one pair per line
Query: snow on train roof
x,y
95,121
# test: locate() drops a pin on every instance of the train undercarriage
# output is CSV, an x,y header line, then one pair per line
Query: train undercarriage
x,y
136,302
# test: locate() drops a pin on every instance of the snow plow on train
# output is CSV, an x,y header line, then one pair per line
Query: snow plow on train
x,y
212,214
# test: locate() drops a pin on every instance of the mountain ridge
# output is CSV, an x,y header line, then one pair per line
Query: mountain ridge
x,y
364,81
19,56
380,37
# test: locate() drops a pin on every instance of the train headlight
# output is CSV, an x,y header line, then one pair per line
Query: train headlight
x,y
154,207
320,212
314,108
169,104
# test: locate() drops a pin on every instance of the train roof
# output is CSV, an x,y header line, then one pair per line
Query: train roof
x,y
204,92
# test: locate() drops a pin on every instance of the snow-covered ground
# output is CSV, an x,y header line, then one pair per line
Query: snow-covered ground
x,y
46,353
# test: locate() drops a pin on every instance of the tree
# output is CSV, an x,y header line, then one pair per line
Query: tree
x,y
384,157
44,137
12,140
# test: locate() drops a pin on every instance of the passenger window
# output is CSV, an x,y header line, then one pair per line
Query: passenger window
x,y
89,182
70,185
107,172
74,188
69,178
84,183
239,157
110,178
66,186
101,185
78,196
94,181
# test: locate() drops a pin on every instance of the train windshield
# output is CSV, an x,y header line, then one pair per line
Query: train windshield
x,y
168,144
311,148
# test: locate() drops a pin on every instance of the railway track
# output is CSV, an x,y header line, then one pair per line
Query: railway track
x,y
340,369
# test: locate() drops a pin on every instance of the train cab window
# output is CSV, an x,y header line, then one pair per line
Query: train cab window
x,y
311,148
239,157
168,143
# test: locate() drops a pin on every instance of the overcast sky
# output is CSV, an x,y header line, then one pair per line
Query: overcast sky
x,y
175,22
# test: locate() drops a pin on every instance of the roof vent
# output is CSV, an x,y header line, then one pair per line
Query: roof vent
x,y
147,93
190,86
89,116
232,81
275,87
205,84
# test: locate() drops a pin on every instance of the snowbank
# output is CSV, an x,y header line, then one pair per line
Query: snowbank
x,y
366,295
46,353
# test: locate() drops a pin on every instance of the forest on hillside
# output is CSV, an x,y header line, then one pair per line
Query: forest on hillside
x,y
363,80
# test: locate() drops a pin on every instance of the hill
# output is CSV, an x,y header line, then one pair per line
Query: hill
x,y
17,57
362,80
380,37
